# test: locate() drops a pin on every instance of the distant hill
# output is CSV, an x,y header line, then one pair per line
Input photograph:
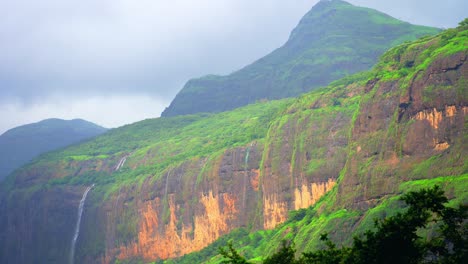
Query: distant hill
x,y
333,39
21,144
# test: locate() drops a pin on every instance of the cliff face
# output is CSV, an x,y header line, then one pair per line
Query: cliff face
x,y
186,209
418,120
179,189
193,204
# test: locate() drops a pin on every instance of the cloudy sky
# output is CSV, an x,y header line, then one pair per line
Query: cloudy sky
x,y
119,61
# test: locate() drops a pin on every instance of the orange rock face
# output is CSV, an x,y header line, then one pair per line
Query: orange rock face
x,y
178,221
173,241
274,211
307,195
435,117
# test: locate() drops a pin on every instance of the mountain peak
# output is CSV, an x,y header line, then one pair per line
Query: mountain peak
x,y
334,39
336,17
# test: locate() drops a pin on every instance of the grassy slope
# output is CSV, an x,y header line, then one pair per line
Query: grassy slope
x,y
333,40
304,226
170,141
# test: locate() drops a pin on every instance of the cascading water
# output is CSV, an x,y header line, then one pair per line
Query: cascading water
x,y
121,163
78,222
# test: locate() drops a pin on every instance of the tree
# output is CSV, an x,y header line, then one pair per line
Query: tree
x,y
451,245
233,257
396,239
330,255
286,255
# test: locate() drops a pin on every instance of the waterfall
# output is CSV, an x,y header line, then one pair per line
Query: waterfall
x,y
78,222
246,161
121,163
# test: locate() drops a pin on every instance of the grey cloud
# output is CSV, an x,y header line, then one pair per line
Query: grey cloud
x,y
436,13
78,49
126,46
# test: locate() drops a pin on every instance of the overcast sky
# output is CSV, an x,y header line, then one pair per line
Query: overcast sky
x,y
119,61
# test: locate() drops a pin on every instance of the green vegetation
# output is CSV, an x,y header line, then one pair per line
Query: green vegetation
x,y
395,239
328,134
412,58
332,40
304,227
163,143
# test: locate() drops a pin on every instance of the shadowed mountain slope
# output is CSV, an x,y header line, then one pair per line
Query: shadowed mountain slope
x,y
21,144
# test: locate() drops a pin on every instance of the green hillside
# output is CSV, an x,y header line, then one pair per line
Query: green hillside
x,y
169,141
337,213
329,161
332,40
20,145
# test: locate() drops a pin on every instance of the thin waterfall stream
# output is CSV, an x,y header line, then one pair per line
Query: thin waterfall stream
x,y
78,222
121,163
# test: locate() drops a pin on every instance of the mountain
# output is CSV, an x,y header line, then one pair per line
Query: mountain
x,y
20,145
329,161
332,40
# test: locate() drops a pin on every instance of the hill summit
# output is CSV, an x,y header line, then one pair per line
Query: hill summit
x,y
332,40
21,144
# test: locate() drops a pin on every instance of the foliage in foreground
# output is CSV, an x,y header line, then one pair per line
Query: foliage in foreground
x,y
396,239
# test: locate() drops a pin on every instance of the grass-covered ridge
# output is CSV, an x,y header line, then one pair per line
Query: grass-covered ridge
x,y
154,145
